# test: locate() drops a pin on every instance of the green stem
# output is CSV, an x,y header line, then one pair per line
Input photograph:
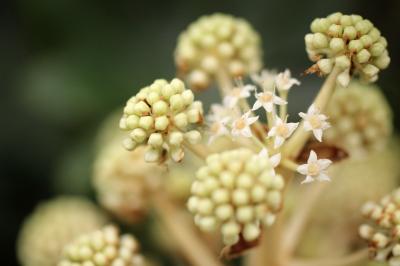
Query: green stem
x,y
351,259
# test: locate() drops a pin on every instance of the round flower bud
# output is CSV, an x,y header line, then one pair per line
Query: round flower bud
x,y
360,119
103,247
153,120
240,191
52,225
381,229
123,181
342,36
215,43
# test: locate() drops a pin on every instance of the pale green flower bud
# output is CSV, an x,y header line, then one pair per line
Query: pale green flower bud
x,y
350,36
152,155
52,225
370,70
161,109
129,144
325,65
176,138
193,136
217,42
228,190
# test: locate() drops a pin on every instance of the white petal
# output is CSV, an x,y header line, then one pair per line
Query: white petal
x,y
268,107
251,120
307,180
323,177
272,132
302,169
291,127
312,109
302,115
312,158
275,160
230,101
318,134
324,163
246,132
278,142
307,126
279,100
257,105
263,153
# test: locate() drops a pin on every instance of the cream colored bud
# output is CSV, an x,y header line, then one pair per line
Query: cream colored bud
x,y
335,30
335,17
146,122
160,108
152,155
337,45
240,197
344,78
382,61
176,103
152,97
377,49
325,65
138,135
193,116
208,224
141,108
342,62
350,33
181,121
167,91
320,41
356,45
274,199
309,40
363,56
374,34
366,231
187,97
199,80
192,204
363,27
210,64
346,20
122,124
370,70
226,50
193,136
205,206
175,138
236,68
132,121
155,140
251,232
161,123
224,212
366,40
244,214
177,85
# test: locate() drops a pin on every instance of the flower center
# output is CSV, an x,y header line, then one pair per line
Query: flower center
x,y
313,169
282,130
266,97
240,123
315,121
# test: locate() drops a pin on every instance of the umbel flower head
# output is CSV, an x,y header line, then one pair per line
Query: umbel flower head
x,y
350,43
382,230
214,43
52,225
360,119
124,181
162,116
103,247
236,192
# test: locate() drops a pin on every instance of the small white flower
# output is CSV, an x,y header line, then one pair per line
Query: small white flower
x,y
218,128
266,79
281,131
267,99
219,112
284,81
314,169
241,126
315,121
274,159
239,92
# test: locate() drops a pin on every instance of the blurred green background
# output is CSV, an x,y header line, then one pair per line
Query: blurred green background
x,y
66,64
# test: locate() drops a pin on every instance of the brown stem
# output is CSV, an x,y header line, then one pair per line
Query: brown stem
x,y
184,233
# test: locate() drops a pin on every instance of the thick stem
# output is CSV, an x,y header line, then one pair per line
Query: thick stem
x,y
184,233
294,145
283,108
295,227
197,149
351,259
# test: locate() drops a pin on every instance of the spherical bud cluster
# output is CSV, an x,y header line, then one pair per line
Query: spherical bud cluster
x,y
103,247
124,181
360,119
162,116
52,225
236,192
350,43
382,230
217,42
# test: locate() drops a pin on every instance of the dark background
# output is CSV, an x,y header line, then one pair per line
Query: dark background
x,y
66,64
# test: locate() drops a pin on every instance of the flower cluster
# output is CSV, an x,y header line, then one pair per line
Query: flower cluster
x,y
360,118
238,192
163,116
124,181
349,43
214,43
382,230
52,225
103,247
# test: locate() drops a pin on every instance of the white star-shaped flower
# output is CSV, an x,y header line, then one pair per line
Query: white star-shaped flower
x,y
314,169
315,121
284,81
218,128
267,99
281,131
241,126
218,112
237,93
266,79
